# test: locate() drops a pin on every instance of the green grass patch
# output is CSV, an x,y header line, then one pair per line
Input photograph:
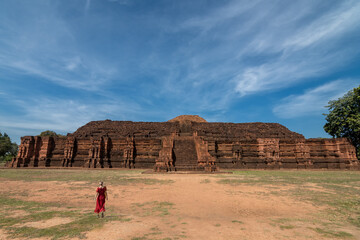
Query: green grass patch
x,y
29,206
154,208
282,220
330,233
337,190
237,221
110,177
205,181
156,229
35,212
182,236
283,227
151,235
42,190
139,238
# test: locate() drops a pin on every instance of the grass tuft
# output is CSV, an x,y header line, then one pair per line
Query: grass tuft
x,y
153,208
336,190
81,223
110,177
237,221
330,233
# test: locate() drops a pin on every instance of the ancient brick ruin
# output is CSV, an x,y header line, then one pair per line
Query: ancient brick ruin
x,y
185,143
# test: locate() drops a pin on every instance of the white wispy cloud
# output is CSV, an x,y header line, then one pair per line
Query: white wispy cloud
x,y
73,63
211,66
292,43
87,5
221,15
306,54
289,70
313,101
333,24
64,115
42,44
137,63
122,2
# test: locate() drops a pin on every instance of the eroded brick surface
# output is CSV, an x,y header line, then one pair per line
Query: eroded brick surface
x,y
186,142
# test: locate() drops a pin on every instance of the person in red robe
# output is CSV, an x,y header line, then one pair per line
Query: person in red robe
x,y
101,196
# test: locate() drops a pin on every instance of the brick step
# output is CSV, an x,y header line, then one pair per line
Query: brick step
x,y
185,152
186,134
184,167
192,161
186,164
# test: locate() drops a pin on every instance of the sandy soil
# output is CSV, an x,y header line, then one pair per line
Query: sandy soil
x,y
47,223
202,209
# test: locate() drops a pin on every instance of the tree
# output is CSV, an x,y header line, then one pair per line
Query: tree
x,y
343,119
48,133
8,149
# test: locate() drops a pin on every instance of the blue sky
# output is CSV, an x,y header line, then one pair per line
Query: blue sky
x,y
65,63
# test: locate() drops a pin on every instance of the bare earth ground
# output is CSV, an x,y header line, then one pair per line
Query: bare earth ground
x,y
185,206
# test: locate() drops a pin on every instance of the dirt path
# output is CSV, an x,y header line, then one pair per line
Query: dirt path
x,y
193,207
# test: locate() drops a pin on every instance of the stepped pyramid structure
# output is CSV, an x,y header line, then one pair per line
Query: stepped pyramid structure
x,y
185,143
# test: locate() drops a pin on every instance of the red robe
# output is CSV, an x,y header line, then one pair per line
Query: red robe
x,y
100,201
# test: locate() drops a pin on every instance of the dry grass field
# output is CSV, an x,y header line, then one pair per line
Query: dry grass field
x,y
59,204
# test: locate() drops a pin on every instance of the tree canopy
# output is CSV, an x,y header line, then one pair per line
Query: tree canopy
x,y
8,149
48,133
343,119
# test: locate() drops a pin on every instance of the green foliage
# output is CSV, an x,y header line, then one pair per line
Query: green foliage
x,y
48,133
343,119
8,149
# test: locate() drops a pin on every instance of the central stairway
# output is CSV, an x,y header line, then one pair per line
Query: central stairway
x,y
185,154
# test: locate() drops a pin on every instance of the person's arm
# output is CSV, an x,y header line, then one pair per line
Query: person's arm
x,y
106,195
96,195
